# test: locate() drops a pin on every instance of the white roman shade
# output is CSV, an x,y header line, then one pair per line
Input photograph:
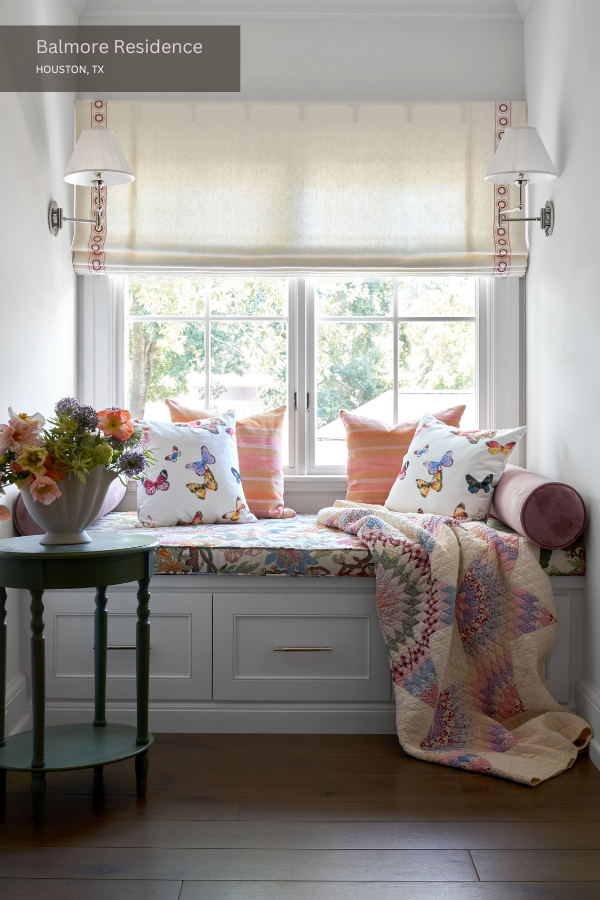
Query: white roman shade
x,y
287,188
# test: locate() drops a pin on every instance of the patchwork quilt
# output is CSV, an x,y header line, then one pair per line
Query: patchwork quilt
x,y
300,546
468,617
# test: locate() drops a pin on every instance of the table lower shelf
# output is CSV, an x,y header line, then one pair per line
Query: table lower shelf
x,y
73,747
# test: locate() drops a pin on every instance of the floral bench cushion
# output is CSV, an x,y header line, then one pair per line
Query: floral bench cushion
x,y
298,546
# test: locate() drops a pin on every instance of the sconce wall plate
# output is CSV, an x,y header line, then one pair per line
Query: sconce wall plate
x,y
547,218
55,218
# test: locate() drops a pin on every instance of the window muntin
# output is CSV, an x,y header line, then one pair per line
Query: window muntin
x,y
213,343
387,348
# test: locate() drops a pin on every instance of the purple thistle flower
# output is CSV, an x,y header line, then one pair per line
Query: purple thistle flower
x,y
132,463
86,418
68,406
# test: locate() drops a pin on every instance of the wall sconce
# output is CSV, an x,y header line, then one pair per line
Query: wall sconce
x,y
96,161
521,158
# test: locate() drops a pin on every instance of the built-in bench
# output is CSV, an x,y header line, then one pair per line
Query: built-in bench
x,y
217,662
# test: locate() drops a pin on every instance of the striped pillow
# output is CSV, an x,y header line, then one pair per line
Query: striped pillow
x,y
376,451
259,443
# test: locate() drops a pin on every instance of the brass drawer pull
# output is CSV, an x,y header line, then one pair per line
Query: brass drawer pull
x,y
300,649
121,647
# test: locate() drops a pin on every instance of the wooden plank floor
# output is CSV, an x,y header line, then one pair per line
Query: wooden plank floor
x,y
300,817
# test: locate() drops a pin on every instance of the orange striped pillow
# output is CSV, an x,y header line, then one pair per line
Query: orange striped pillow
x,y
376,451
259,443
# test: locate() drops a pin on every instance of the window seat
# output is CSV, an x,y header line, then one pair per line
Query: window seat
x,y
298,546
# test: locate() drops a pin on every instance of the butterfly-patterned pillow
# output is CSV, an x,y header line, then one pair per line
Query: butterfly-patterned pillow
x,y
196,479
449,472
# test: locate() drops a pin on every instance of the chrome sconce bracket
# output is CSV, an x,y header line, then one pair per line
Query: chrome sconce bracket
x,y
545,218
56,218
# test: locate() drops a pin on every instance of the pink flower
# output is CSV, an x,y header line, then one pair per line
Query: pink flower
x,y
22,430
45,490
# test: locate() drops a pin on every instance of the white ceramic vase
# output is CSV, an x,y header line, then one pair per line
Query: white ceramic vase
x,y
67,517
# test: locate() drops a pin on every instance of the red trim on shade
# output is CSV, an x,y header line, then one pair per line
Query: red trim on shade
x,y
96,251
501,197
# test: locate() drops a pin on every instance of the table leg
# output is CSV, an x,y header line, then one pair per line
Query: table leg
x,y
2,684
141,773
100,642
143,683
38,699
2,666
143,659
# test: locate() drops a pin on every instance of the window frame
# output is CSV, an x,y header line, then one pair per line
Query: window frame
x,y
500,384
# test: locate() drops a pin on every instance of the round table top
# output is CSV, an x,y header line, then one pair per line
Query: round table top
x,y
100,545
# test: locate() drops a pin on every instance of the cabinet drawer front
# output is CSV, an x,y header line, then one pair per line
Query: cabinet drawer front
x,y
180,642
301,646
170,645
305,647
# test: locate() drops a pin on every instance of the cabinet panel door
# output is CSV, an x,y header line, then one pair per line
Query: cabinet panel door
x,y
300,647
180,645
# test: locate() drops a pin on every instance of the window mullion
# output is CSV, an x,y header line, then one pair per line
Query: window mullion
x,y
303,362
395,354
292,373
207,292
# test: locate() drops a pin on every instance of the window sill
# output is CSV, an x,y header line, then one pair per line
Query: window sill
x,y
301,484
296,484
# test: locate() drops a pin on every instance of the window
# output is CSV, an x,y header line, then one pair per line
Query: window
x,y
387,348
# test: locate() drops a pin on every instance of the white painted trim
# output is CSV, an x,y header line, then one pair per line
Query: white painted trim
x,y
525,6
571,582
588,707
17,713
197,18
500,365
240,718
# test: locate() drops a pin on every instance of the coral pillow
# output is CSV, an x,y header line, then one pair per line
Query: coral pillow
x,y
259,443
376,451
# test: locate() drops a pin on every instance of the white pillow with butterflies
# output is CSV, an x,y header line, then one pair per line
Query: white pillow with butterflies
x,y
196,477
449,472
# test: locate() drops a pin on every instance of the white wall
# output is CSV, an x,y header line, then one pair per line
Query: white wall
x,y
37,284
563,325
362,58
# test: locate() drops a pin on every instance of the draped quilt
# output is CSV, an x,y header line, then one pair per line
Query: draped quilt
x,y
468,617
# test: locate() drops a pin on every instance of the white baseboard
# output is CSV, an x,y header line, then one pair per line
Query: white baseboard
x,y
18,717
245,718
588,707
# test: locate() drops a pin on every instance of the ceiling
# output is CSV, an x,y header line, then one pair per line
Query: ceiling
x,y
207,9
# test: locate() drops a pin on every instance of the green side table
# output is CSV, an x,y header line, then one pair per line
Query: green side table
x,y
108,559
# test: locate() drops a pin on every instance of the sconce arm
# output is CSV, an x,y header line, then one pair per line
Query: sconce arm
x,y
84,221
545,218
56,219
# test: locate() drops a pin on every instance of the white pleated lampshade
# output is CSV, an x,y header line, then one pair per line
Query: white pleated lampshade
x,y
97,150
520,151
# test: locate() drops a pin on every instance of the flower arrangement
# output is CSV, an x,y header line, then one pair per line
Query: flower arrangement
x,y
77,440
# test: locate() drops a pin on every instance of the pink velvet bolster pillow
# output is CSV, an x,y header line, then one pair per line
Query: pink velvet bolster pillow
x,y
26,525
549,513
